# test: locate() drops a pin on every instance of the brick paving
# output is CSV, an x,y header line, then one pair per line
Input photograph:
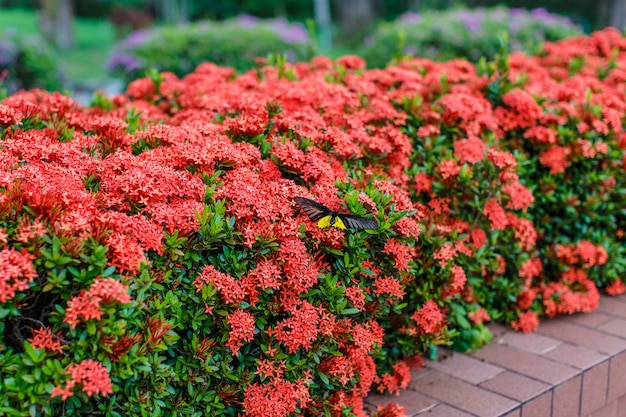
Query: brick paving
x,y
574,366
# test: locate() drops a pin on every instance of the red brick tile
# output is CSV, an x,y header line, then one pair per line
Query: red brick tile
x,y
413,402
609,410
588,319
577,356
498,329
515,386
466,368
612,306
533,342
462,395
538,407
594,390
616,327
566,398
621,407
582,336
514,413
443,410
534,366
617,377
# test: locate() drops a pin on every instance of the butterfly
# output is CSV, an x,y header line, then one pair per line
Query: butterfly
x,y
325,217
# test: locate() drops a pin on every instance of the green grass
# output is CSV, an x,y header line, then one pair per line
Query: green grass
x,y
85,63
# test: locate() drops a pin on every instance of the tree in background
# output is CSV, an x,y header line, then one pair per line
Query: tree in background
x,y
172,11
323,21
613,13
56,21
355,17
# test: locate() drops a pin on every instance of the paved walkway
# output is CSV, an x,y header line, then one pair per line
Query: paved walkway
x,y
575,366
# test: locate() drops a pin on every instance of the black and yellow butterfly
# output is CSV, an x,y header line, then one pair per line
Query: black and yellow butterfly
x,y
325,217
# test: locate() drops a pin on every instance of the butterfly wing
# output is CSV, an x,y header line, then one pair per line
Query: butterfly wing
x,y
314,210
352,221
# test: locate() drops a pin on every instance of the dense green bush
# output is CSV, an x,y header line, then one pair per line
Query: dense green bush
x,y
153,261
573,143
464,33
237,43
28,62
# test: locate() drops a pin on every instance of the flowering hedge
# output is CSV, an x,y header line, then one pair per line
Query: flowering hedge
x,y
464,33
152,260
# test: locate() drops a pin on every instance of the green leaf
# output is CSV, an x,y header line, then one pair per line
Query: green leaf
x,y
324,378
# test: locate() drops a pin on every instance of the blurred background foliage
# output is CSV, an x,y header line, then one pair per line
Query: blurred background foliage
x,y
84,45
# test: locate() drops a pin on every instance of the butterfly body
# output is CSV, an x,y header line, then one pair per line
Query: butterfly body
x,y
325,217
332,220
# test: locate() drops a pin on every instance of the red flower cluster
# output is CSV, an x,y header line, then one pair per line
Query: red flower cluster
x,y
43,339
92,377
429,318
16,272
397,380
527,322
88,304
241,325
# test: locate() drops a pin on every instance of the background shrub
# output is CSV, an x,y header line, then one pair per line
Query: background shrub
x,y
237,43
464,33
28,63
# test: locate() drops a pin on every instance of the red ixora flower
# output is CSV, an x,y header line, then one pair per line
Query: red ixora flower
x,y
395,381
617,287
92,376
88,304
479,316
230,289
496,215
555,159
401,254
278,398
43,339
470,150
390,410
527,322
16,272
430,319
521,197
242,327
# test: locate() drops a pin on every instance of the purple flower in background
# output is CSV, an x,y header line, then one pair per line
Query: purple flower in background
x,y
472,21
500,15
410,18
124,62
540,13
7,53
515,25
135,38
517,12
410,50
290,56
548,18
246,20
294,34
